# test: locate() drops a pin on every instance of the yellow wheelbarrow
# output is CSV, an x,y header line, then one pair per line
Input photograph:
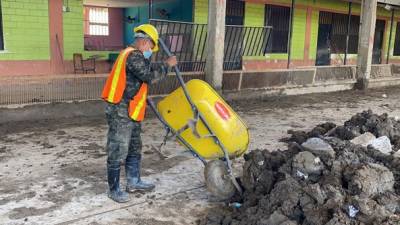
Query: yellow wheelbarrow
x,y
206,125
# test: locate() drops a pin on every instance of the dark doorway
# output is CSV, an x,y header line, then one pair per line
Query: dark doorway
x,y
378,42
324,39
233,37
323,46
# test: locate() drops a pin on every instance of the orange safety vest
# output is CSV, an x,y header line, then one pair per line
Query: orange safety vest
x,y
115,87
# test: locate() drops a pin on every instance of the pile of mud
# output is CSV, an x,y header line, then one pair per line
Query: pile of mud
x,y
331,175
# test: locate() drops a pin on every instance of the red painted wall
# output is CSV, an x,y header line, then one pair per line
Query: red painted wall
x,y
115,39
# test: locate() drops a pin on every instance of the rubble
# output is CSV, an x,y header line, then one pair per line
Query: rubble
x,y
305,164
368,179
319,147
323,178
381,144
364,139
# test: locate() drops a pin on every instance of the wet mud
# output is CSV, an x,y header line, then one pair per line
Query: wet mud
x,y
322,178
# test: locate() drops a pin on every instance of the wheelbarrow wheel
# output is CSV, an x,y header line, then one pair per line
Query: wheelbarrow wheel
x,y
218,180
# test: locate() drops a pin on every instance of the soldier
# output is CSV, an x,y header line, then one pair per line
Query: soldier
x,y
125,92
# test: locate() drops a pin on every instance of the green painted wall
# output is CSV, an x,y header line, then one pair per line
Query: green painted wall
x,y
26,30
74,34
254,16
299,33
200,11
314,35
73,29
386,39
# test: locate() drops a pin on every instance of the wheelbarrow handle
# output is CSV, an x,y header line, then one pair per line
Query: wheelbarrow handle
x,y
178,75
164,47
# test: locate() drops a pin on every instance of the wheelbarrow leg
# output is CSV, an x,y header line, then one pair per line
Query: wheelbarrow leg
x,y
167,127
230,171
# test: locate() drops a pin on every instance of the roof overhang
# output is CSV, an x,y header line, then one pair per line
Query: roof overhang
x,y
390,2
119,3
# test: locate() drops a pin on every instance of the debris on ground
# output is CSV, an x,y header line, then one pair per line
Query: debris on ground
x,y
332,175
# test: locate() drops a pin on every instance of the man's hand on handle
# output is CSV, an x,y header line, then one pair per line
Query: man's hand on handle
x,y
171,61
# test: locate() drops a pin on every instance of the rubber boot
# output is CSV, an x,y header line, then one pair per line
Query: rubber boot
x,y
115,193
134,182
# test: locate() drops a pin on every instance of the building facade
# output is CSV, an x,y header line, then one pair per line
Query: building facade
x,y
319,32
41,36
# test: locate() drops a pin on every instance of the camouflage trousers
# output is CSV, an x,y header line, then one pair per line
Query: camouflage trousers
x,y
123,136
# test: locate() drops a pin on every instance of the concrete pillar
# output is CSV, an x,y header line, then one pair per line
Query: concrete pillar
x,y
366,42
215,46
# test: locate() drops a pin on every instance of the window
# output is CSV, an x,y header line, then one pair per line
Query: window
x,y
338,29
396,51
234,12
98,21
279,18
1,31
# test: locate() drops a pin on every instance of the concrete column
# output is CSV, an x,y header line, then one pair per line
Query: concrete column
x,y
215,43
366,42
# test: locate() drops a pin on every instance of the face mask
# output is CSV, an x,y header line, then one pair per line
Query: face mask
x,y
147,54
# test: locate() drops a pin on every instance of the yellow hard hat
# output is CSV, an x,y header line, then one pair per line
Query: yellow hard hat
x,y
151,31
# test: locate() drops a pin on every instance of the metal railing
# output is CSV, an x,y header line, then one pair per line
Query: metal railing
x,y
244,41
50,88
188,41
17,90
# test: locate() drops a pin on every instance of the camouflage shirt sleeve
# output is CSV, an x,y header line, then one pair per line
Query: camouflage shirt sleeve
x,y
139,70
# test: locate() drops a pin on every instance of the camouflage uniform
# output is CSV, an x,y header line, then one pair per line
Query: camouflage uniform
x,y
123,137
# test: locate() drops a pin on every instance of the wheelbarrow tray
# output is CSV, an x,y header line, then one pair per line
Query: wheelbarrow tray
x,y
228,127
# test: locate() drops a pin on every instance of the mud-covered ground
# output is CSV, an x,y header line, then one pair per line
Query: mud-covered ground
x,y
53,172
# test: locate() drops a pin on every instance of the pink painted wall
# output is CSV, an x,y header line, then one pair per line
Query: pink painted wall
x,y
43,67
115,39
56,36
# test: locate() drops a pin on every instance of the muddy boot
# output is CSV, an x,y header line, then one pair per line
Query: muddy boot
x,y
134,183
115,193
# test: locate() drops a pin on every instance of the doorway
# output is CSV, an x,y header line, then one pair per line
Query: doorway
x,y
323,45
378,42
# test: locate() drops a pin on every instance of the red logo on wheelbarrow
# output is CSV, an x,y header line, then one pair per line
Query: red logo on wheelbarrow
x,y
222,110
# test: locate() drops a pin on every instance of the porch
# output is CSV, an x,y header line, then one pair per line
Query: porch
x,y
302,34
239,84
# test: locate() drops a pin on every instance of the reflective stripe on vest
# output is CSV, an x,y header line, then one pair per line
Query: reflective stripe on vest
x,y
137,106
115,86
116,81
